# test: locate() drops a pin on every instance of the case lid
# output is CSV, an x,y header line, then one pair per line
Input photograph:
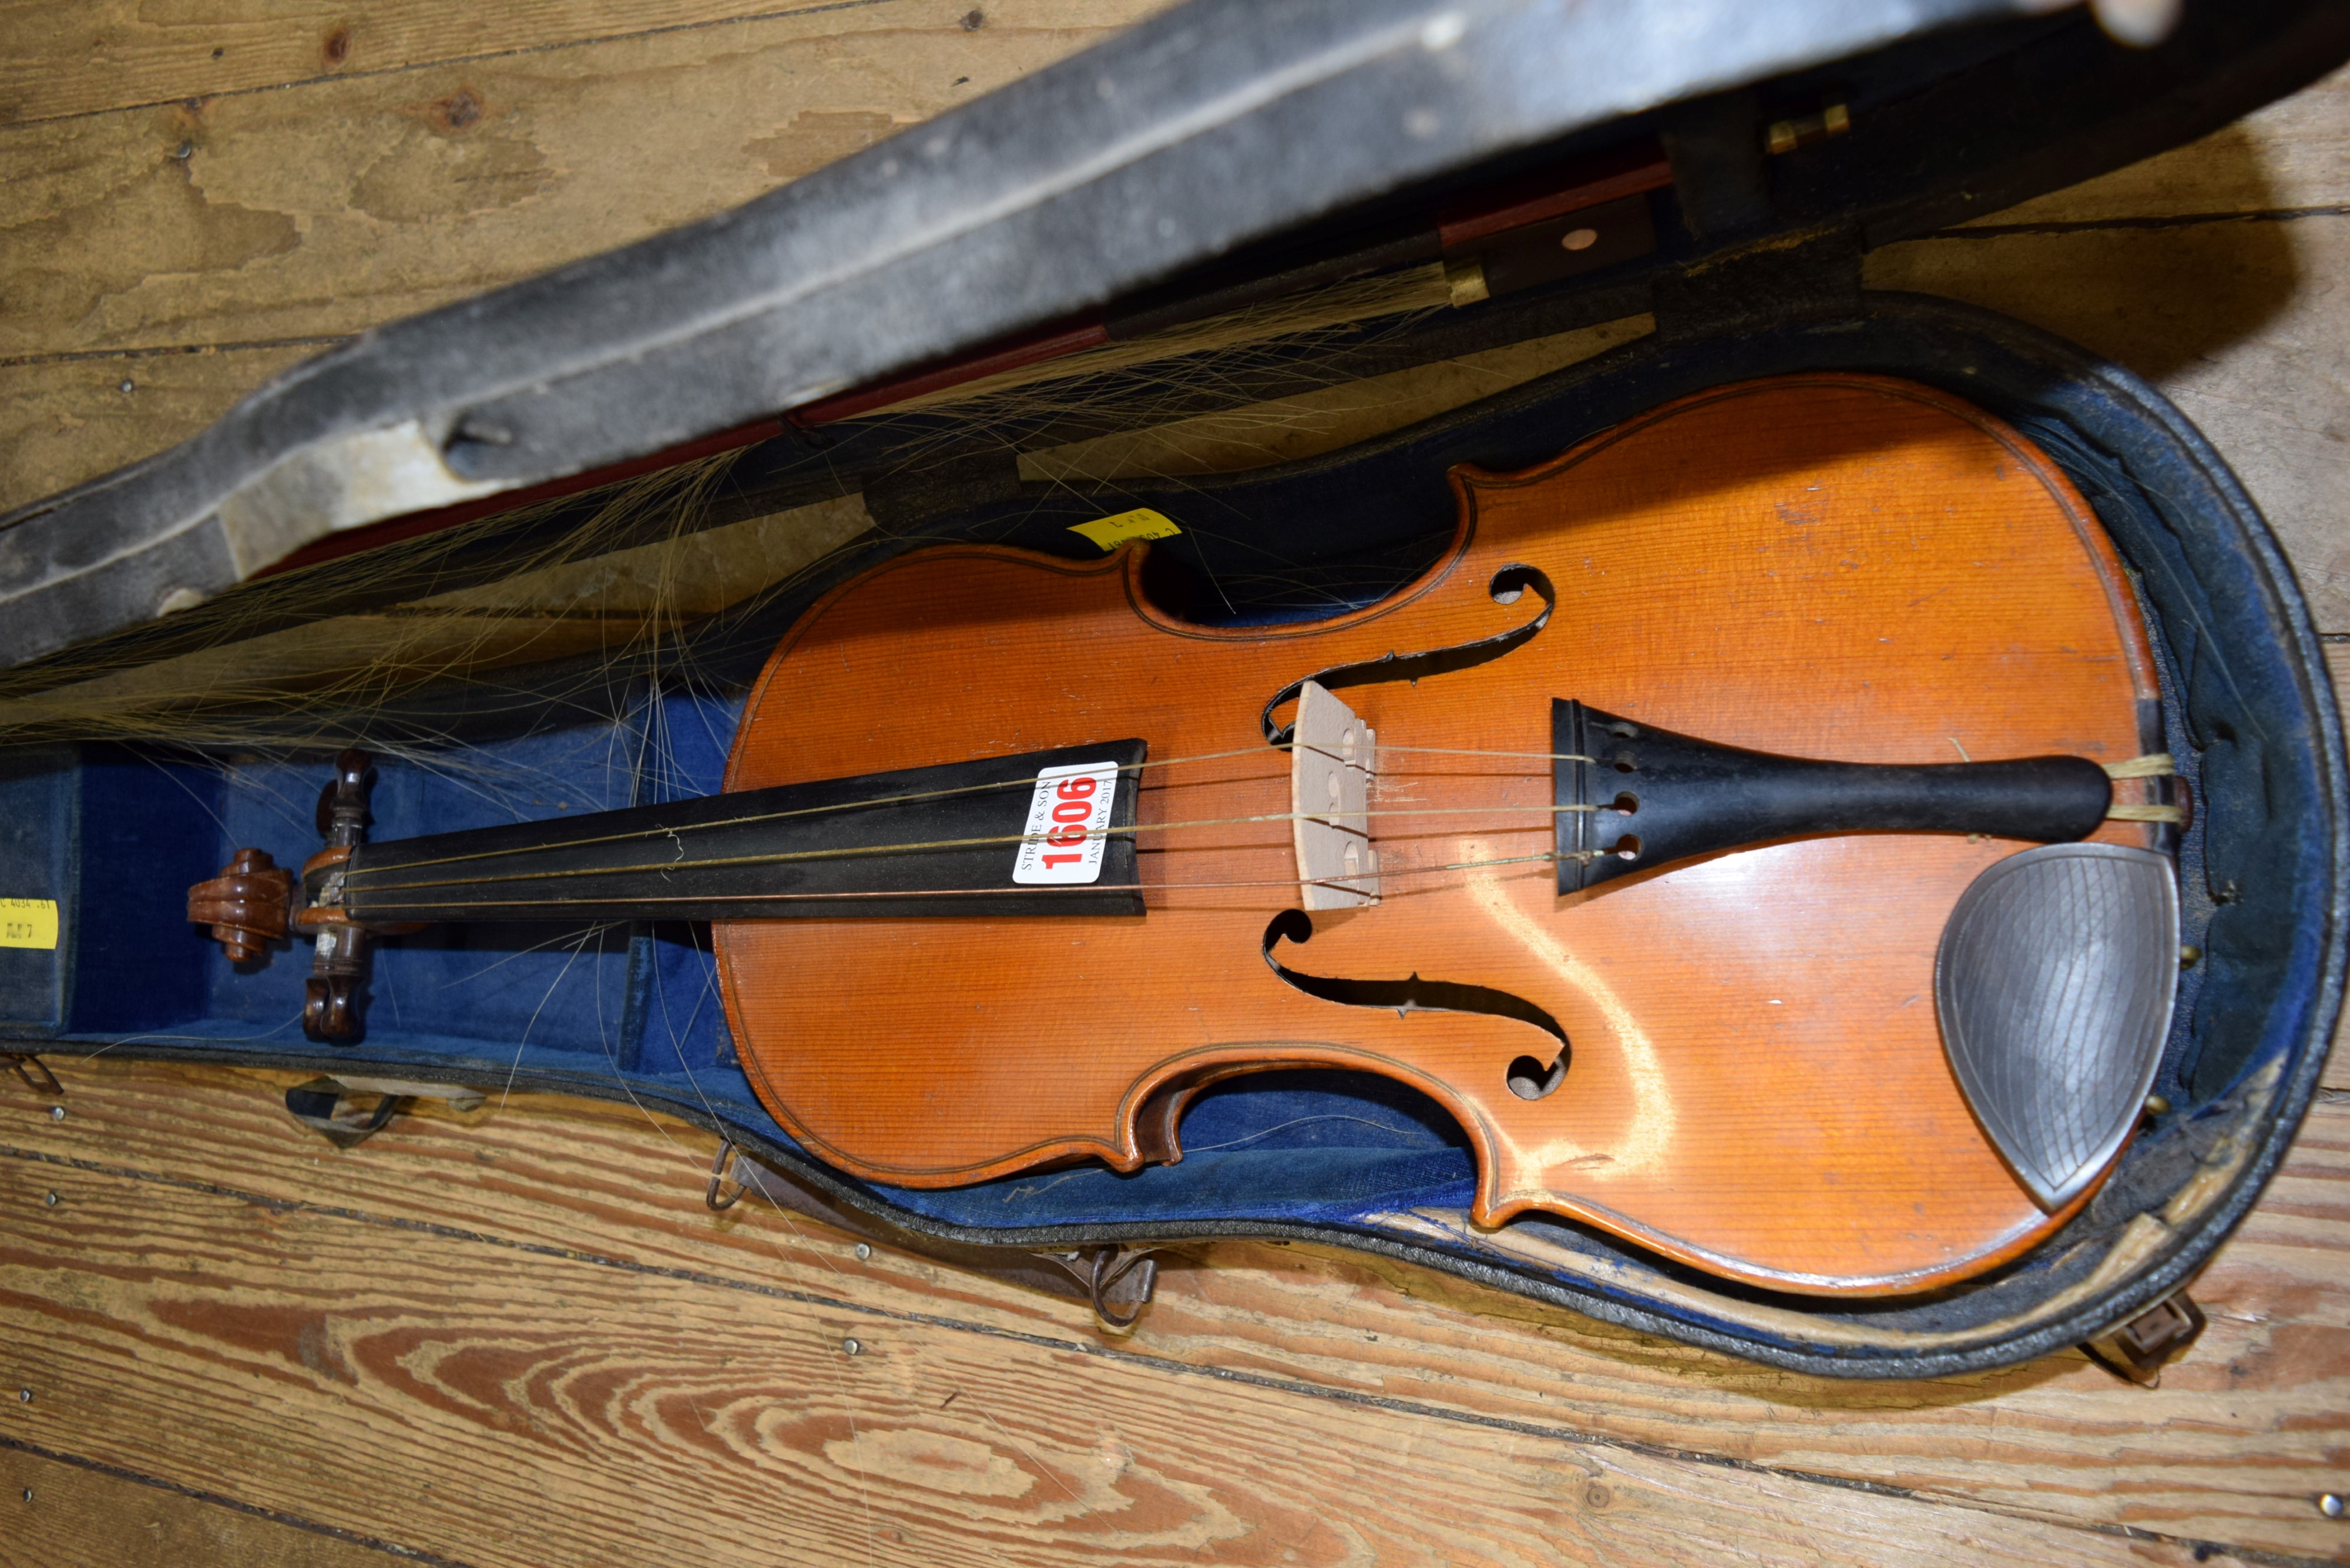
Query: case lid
x,y
1221,152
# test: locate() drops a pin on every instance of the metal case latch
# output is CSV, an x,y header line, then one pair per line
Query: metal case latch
x,y
1119,1280
34,1072
2141,1349
325,1104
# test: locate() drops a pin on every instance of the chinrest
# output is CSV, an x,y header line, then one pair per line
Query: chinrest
x,y
2054,982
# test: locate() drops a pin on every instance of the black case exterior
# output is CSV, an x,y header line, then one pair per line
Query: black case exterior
x,y
1747,285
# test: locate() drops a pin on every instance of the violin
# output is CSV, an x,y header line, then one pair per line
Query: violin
x,y
1627,832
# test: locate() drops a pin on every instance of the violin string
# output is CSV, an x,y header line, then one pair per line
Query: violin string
x,y
917,797
1341,883
784,857
2151,765
752,819
1475,752
377,904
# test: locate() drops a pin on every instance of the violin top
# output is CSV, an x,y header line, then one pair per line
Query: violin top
x,y
1732,1060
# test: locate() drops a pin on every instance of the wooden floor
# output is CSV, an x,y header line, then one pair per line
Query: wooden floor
x,y
518,1337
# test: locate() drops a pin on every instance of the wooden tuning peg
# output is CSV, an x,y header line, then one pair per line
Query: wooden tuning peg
x,y
249,904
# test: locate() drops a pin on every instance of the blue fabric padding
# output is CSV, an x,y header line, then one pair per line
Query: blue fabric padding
x,y
684,1023
1299,1148
688,735
40,842
146,824
684,1019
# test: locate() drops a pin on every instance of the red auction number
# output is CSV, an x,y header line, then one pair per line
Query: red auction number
x,y
1071,813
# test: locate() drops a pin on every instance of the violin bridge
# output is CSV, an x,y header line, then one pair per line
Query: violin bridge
x,y
1332,761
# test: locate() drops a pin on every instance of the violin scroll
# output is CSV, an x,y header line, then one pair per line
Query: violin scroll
x,y
248,905
254,902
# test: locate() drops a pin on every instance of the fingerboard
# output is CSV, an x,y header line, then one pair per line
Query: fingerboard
x,y
919,842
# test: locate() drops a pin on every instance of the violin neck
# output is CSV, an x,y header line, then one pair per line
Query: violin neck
x,y
922,842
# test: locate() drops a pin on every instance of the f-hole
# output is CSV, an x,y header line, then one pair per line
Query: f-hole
x,y
1529,1077
1509,584
1530,1080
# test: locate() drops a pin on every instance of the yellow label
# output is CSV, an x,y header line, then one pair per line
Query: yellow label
x,y
1141,523
28,923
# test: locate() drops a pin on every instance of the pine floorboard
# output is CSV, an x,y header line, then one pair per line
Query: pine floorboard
x,y
528,1311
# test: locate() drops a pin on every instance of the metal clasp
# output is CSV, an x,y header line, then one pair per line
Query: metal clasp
x,y
322,1105
28,1067
2141,1349
721,1175
1118,1280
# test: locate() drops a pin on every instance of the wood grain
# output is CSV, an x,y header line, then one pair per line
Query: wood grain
x,y
2231,1448
333,206
269,224
65,421
59,57
59,1514
2293,156
2216,272
571,1409
1932,587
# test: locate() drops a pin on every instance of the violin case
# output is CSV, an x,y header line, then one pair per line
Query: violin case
x,y
1750,263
